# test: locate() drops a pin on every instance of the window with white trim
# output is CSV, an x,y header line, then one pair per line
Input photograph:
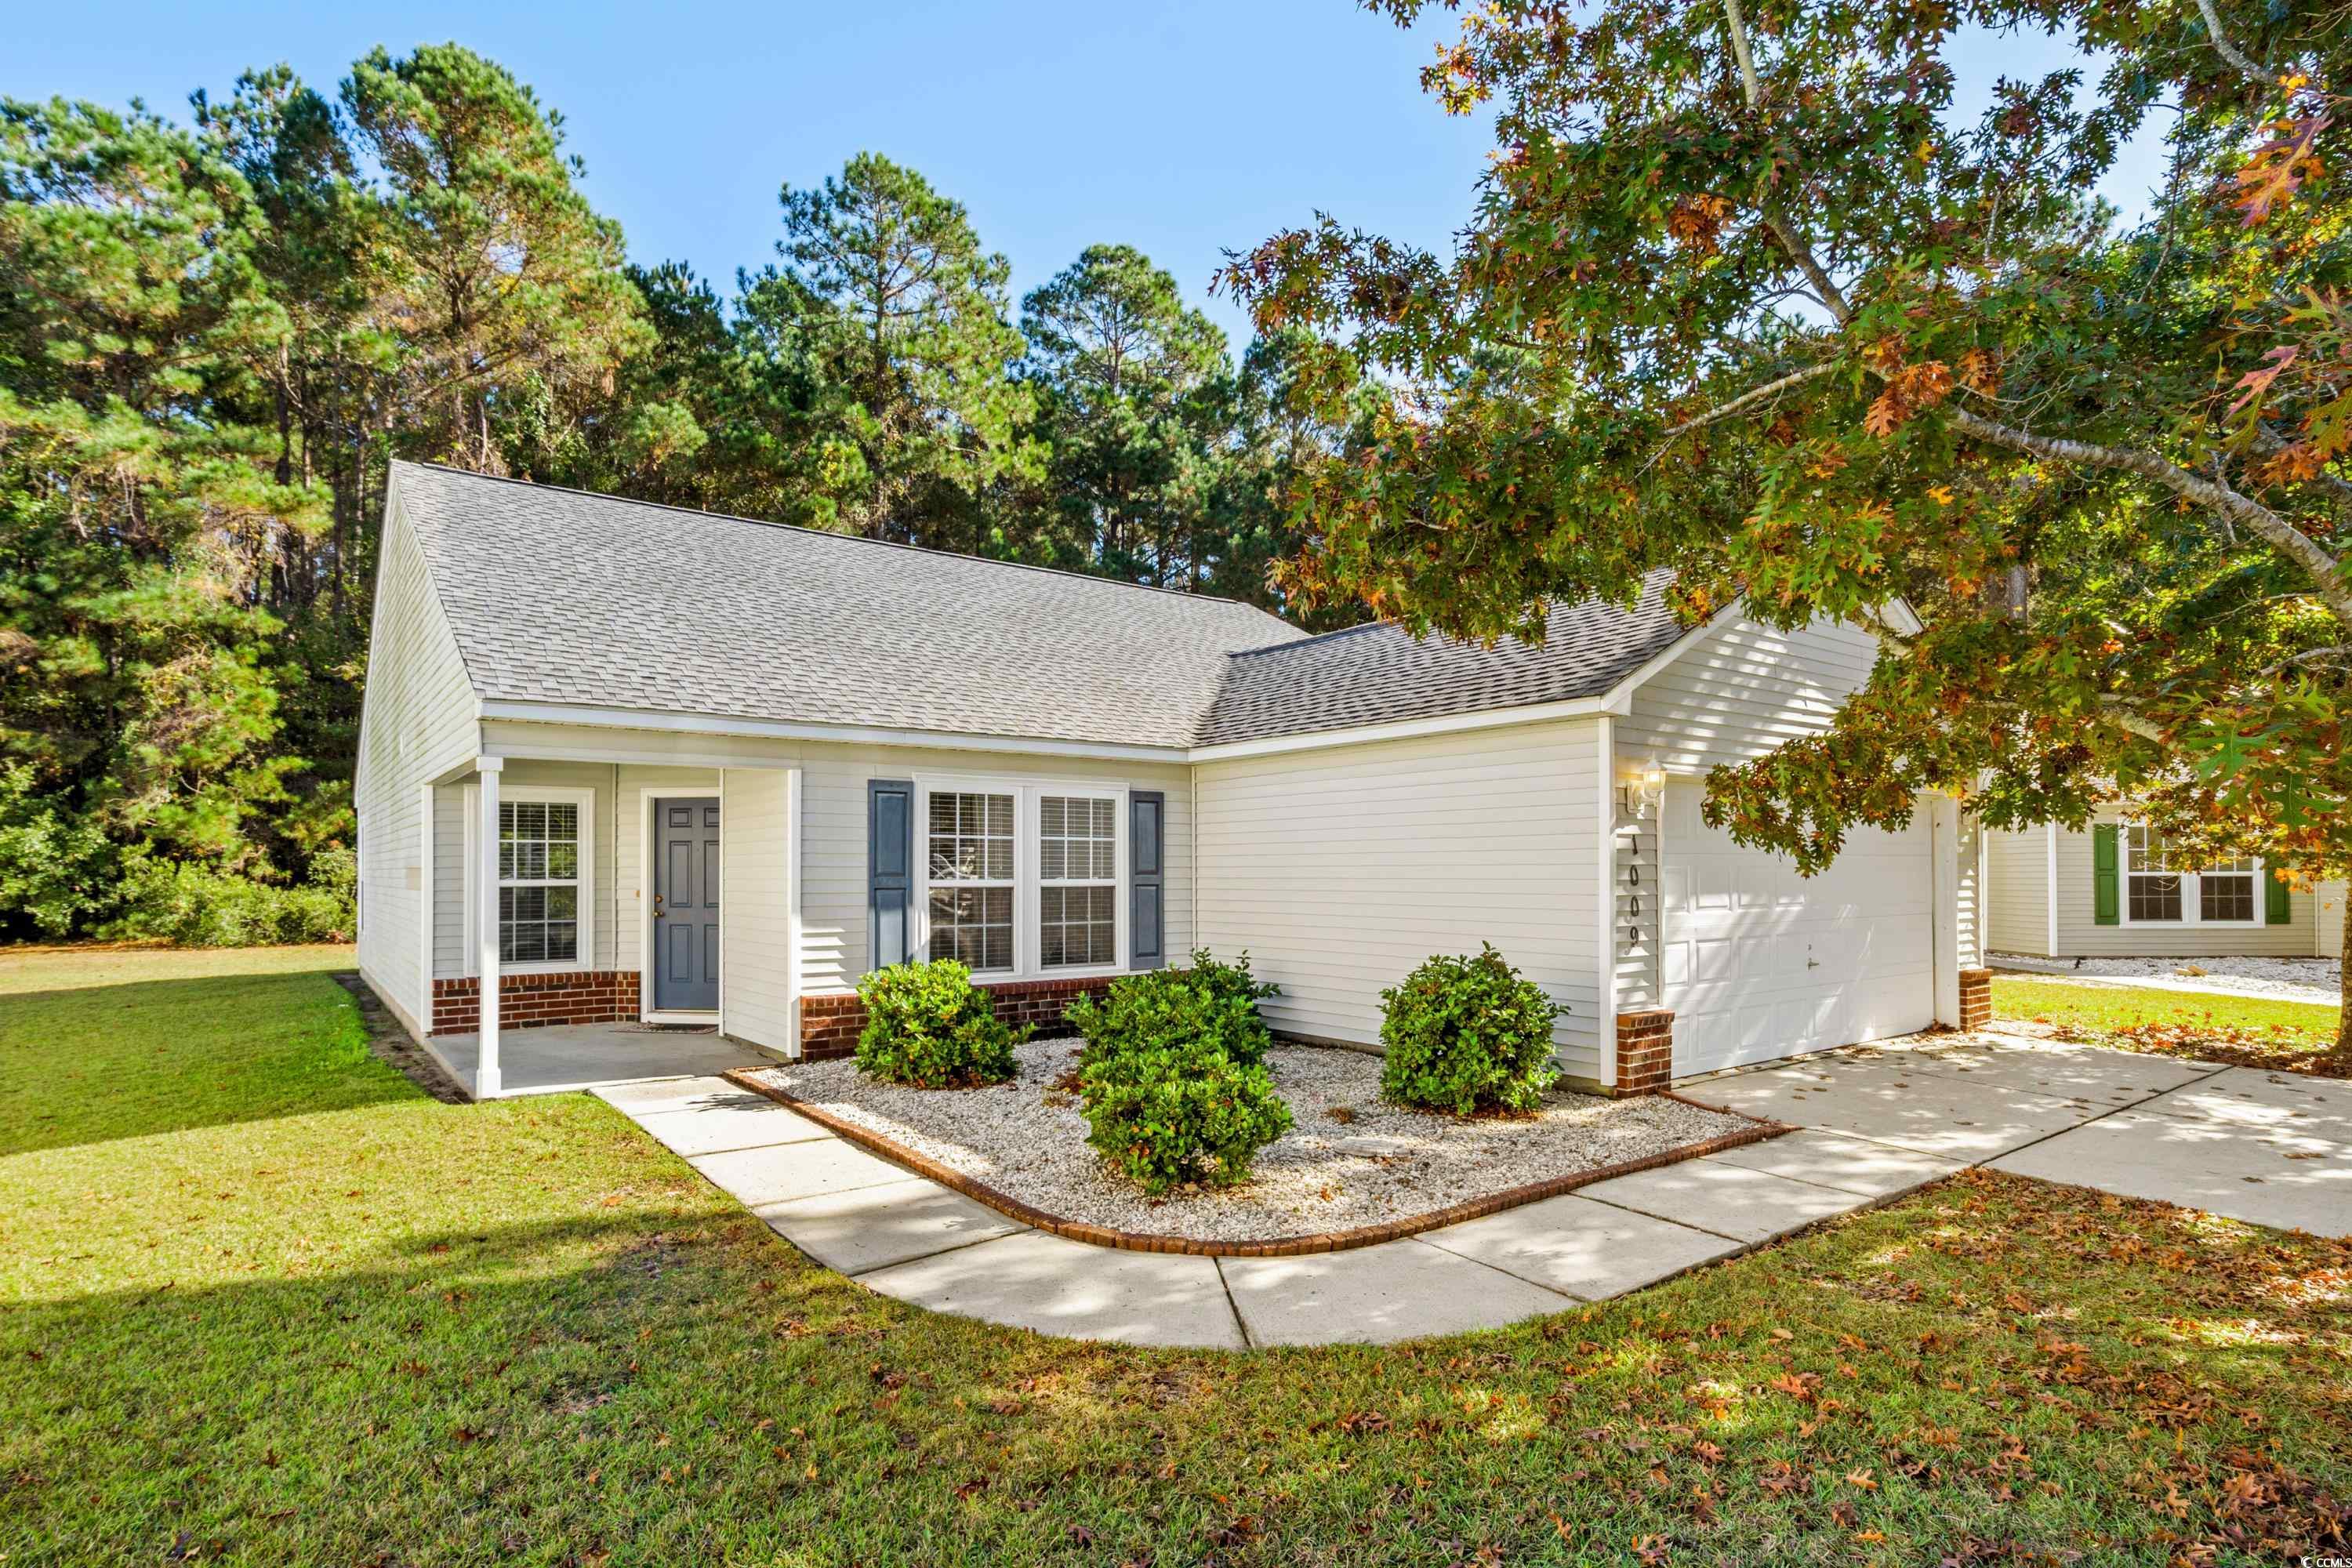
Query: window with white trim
x,y
1077,882
546,901
2157,891
2151,888
971,864
1021,878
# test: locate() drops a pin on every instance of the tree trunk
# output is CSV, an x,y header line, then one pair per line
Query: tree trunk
x,y
2344,989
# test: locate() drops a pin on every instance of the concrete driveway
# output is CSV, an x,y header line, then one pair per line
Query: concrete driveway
x,y
2270,1147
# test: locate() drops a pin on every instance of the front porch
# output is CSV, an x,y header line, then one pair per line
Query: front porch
x,y
564,1058
569,916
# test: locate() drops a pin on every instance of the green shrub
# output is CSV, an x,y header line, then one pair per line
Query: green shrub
x,y
196,906
1213,1002
929,1026
1174,1074
1179,1111
1468,1034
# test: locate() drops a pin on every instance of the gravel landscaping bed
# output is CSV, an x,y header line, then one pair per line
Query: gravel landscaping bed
x,y
2289,979
1351,1159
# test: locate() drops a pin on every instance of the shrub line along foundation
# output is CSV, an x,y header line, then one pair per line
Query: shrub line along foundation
x,y
1280,1247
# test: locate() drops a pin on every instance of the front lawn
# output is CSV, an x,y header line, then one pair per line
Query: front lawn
x,y
2246,1031
379,1329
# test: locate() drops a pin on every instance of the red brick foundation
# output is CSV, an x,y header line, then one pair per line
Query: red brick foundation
x,y
531,1001
831,1023
1645,1051
1976,999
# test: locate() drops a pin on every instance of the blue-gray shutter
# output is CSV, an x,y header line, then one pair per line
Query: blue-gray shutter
x,y
890,870
1147,837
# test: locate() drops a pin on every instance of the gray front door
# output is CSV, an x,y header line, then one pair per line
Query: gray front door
x,y
686,905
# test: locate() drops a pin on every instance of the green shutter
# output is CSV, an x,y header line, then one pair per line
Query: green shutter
x,y
2276,909
2106,898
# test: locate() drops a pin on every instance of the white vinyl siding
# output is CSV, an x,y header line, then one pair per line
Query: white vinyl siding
x,y
1634,903
2328,934
1741,691
1340,871
1969,922
418,722
613,845
2018,868
755,932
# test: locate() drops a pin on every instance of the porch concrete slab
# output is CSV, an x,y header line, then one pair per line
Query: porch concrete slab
x,y
2092,1074
1729,1200
1854,1165
2286,1177
1375,1295
710,1124
564,1058
2256,1099
1032,1280
1899,1102
1589,1250
756,1177
867,1228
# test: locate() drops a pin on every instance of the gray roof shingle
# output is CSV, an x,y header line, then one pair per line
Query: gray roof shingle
x,y
559,595
1380,674
563,597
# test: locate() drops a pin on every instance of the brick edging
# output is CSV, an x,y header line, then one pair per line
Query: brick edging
x,y
1285,1246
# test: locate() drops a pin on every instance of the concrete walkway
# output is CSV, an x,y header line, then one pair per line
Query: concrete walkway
x,y
1877,1122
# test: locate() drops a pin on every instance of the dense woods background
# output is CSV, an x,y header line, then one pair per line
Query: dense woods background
x,y
215,334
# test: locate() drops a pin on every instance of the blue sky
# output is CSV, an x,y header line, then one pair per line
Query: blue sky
x,y
1183,127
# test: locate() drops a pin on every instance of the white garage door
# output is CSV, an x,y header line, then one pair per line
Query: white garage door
x,y
1760,963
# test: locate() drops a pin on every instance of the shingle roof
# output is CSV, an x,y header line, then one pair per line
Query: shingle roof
x,y
562,597
558,596
1380,674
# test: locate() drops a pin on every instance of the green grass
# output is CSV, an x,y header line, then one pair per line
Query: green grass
x,y
2255,1031
389,1330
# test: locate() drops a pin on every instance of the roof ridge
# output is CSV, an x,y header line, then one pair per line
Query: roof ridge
x,y
1321,637
1553,605
846,538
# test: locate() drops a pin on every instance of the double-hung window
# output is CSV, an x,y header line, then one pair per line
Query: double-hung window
x,y
2157,890
1022,878
972,863
1077,882
545,853
2152,887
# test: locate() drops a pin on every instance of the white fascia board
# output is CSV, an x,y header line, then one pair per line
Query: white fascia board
x,y
1405,729
678,724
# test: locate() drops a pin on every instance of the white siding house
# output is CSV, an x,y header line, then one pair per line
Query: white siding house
x,y
2059,893
623,763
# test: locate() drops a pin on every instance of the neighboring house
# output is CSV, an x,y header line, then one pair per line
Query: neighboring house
x,y
623,761
2111,891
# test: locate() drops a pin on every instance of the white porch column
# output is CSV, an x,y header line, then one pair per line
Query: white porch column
x,y
485,923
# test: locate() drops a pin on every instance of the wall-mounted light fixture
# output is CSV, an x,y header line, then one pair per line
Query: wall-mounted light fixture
x,y
1642,794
